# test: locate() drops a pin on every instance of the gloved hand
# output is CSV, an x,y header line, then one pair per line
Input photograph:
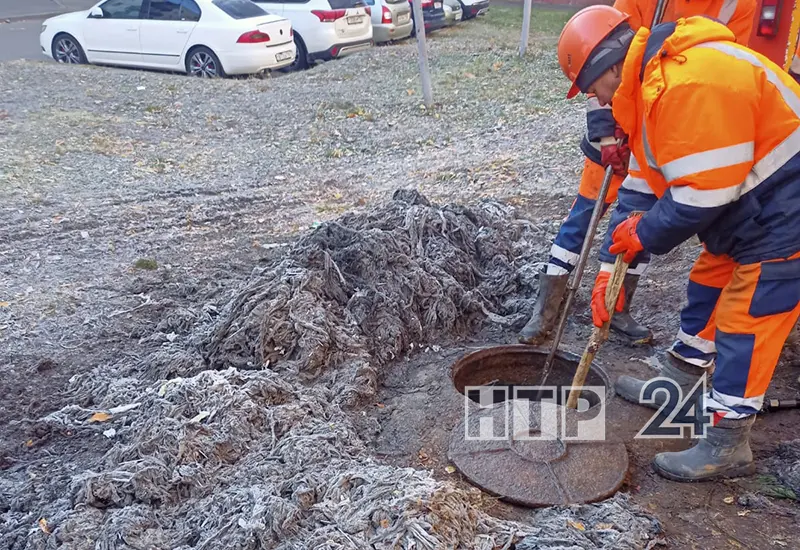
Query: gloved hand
x,y
599,312
616,153
625,239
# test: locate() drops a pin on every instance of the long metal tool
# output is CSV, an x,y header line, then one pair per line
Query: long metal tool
x,y
597,213
661,7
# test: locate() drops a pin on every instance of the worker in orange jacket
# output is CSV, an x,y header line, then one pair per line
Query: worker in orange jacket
x,y
714,132
599,145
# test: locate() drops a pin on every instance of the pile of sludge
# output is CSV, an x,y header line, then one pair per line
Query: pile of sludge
x,y
255,440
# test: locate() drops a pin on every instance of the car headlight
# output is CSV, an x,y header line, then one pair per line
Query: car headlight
x,y
44,28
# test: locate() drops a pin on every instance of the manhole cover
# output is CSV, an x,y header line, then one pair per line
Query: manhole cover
x,y
529,452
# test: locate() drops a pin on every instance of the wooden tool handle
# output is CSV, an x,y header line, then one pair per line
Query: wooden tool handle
x,y
599,334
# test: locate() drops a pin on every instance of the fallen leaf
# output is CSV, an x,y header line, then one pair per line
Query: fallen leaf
x,y
450,469
43,526
385,523
29,443
469,75
744,512
604,526
728,500
380,405
99,417
4,304
577,525
734,543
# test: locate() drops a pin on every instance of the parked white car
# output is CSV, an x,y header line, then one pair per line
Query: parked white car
x,y
324,29
207,38
391,19
453,12
474,8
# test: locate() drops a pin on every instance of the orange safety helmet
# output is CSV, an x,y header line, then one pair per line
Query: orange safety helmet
x,y
586,30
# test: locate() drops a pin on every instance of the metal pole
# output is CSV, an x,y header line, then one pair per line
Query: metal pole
x,y
579,268
422,47
661,6
526,27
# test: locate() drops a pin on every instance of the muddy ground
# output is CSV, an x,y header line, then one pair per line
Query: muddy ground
x,y
130,197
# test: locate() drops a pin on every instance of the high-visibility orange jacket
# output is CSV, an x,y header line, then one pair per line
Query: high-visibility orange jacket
x,y
714,129
738,15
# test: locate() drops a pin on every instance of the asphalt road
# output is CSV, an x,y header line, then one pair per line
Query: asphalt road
x,y
20,40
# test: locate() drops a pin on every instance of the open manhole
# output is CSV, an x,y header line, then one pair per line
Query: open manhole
x,y
500,373
528,448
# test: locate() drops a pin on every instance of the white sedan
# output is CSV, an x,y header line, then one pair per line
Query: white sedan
x,y
208,38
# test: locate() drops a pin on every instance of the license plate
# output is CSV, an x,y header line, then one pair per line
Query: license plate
x,y
283,56
355,20
437,5
403,18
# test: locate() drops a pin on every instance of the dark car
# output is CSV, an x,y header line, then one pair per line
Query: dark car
x,y
432,15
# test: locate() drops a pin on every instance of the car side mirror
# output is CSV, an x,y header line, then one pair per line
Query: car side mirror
x,y
96,13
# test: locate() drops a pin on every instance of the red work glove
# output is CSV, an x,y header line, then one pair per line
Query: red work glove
x,y
617,154
599,312
625,239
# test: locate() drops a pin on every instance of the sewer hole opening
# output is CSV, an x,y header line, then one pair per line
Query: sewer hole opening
x,y
500,392
499,373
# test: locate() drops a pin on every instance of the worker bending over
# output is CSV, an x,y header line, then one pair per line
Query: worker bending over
x,y
714,132
599,145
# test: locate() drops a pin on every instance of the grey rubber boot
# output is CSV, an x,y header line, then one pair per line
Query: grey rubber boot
x,y
623,324
685,374
545,312
724,452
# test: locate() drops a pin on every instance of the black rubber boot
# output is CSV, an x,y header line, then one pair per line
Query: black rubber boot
x,y
724,452
545,312
623,324
685,374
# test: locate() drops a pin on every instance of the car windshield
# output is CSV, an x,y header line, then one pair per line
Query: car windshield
x,y
239,9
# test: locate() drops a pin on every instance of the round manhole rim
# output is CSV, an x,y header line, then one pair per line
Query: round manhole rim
x,y
528,350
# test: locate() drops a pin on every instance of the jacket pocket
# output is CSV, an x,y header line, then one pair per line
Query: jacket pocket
x,y
777,290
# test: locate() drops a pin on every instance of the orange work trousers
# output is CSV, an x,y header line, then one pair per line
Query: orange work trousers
x,y
738,317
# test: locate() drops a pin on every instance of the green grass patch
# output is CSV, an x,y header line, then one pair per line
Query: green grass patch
x,y
544,21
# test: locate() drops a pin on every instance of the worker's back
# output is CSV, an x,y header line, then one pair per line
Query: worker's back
x,y
748,111
737,15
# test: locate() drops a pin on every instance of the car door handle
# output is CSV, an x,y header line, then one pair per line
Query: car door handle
x,y
183,32
132,30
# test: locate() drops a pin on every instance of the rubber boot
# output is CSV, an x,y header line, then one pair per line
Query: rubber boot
x,y
623,324
545,312
724,452
685,374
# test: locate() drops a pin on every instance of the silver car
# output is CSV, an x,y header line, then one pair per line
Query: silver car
x,y
391,19
452,12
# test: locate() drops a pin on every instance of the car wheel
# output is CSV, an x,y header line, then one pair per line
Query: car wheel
x,y
203,63
67,50
464,15
301,59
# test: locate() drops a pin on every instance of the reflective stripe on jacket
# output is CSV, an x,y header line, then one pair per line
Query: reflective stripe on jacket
x,y
738,15
715,128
